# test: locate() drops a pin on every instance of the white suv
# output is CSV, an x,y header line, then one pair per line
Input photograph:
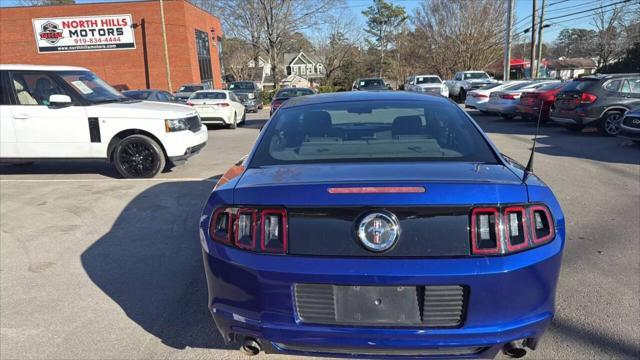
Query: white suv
x,y
63,112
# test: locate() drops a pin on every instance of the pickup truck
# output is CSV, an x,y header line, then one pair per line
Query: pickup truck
x,y
465,81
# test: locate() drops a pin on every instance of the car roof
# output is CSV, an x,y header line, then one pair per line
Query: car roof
x,y
41,67
213,91
370,78
608,76
433,75
348,96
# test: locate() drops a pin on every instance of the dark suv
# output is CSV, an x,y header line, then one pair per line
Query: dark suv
x,y
249,94
599,100
369,84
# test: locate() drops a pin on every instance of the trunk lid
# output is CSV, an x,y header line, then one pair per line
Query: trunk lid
x,y
445,183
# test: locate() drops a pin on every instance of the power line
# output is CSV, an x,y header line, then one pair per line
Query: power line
x,y
593,9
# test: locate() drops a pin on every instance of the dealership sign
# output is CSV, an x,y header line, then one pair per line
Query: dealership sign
x,y
84,33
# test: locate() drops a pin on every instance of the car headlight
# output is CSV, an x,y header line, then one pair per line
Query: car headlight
x,y
173,125
252,96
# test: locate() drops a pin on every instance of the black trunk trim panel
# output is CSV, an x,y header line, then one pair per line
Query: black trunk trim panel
x,y
424,232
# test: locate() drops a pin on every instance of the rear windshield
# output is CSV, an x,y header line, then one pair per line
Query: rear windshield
x,y
370,82
428,80
517,86
491,86
190,88
209,95
137,95
579,84
242,86
371,131
293,92
478,75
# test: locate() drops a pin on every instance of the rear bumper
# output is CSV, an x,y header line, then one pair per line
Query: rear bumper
x,y
571,117
506,109
510,298
477,104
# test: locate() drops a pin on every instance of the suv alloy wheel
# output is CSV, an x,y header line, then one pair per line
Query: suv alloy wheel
x,y
138,156
610,123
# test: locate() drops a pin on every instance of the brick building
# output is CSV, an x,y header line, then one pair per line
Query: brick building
x,y
98,36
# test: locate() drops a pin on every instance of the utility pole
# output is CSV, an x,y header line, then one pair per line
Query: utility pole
x,y
540,26
534,18
166,48
506,72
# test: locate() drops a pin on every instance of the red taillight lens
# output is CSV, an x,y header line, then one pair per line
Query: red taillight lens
x,y
509,96
223,104
189,103
220,227
480,96
276,103
542,227
485,231
515,226
244,227
587,98
274,231
496,231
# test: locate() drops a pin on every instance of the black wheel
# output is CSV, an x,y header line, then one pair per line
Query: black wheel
x,y
610,123
462,95
234,124
575,127
138,156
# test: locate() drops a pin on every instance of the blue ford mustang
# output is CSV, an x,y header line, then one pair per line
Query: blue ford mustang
x,y
379,225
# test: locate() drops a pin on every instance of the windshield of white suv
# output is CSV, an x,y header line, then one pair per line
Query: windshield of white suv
x,y
90,87
473,76
428,80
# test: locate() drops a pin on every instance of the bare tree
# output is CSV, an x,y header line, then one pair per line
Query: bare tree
x,y
461,34
237,55
383,23
335,44
281,19
606,22
240,20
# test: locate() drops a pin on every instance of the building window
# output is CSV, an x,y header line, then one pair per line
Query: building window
x,y
204,56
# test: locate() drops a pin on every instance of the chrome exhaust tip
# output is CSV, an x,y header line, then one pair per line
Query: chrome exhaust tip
x,y
513,350
250,347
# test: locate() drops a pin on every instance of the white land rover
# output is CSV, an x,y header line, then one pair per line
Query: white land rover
x,y
63,112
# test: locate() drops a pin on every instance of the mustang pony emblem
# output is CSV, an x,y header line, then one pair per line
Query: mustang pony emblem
x,y
378,231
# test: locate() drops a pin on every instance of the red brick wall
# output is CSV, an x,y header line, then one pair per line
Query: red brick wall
x,y
17,42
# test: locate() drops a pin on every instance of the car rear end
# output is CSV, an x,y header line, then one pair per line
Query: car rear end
x,y
477,99
538,102
504,102
213,107
577,103
249,100
474,268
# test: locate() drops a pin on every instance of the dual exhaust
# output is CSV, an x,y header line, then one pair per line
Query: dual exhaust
x,y
252,347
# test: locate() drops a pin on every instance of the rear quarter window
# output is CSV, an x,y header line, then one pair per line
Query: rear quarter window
x,y
579,85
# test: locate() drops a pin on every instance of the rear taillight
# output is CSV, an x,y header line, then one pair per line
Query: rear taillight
x,y
480,96
276,104
189,103
587,98
496,231
223,104
509,96
253,229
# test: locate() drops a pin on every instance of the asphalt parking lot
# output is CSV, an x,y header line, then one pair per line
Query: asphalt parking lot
x,y
97,267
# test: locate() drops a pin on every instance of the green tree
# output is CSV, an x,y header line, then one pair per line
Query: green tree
x,y
383,23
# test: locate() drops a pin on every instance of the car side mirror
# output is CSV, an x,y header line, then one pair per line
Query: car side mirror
x,y
59,100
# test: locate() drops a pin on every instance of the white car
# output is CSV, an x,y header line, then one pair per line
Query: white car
x,y
218,107
429,84
64,112
478,99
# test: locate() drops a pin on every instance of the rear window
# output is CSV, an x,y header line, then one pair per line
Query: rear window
x,y
293,92
371,82
371,131
517,86
551,86
579,84
209,95
242,86
428,80
190,88
137,95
